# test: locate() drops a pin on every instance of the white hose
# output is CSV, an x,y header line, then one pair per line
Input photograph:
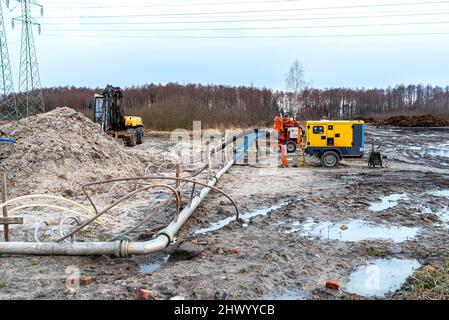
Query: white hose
x,y
38,205
41,196
89,212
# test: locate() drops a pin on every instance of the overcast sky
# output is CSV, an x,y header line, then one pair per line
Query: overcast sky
x,y
362,43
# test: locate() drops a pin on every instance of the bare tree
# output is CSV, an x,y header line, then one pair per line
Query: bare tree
x,y
295,84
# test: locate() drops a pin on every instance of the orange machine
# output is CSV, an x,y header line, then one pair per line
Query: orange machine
x,y
289,132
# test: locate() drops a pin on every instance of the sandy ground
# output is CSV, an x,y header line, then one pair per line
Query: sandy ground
x,y
300,227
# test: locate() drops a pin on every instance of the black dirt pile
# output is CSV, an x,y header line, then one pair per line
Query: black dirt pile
x,y
427,120
59,151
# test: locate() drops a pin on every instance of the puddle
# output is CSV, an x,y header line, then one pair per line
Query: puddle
x,y
355,230
437,152
443,215
387,202
440,193
381,276
152,267
245,217
423,210
289,294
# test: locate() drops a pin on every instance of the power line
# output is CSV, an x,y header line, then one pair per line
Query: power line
x,y
177,4
246,11
253,20
253,28
257,37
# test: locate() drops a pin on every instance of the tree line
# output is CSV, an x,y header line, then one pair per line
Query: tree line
x,y
171,106
340,103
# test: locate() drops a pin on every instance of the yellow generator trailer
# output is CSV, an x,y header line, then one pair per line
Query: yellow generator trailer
x,y
331,141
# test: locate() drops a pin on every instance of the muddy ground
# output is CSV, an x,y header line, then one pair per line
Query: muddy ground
x,y
302,226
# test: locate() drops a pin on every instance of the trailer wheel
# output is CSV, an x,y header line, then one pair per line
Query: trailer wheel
x,y
330,159
291,147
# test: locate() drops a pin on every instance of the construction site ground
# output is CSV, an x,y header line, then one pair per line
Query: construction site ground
x,y
368,229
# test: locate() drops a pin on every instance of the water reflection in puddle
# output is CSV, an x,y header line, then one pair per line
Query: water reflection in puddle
x,y
440,193
154,266
245,217
437,152
354,230
381,276
289,294
443,215
387,202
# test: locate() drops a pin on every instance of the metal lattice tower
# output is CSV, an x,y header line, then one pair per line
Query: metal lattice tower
x,y
8,106
30,100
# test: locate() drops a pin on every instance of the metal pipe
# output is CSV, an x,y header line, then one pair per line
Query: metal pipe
x,y
120,248
117,248
63,249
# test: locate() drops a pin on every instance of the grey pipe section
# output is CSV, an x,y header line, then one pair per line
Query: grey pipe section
x,y
117,248
121,248
61,249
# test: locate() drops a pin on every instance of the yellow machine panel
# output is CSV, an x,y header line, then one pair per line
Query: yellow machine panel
x,y
133,122
319,133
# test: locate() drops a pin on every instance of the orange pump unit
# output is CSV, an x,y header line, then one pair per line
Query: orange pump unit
x,y
289,132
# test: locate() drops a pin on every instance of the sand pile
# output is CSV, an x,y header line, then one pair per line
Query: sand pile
x,y
427,120
59,151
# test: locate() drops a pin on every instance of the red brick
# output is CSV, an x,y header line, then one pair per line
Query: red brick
x,y
86,281
332,284
143,294
235,250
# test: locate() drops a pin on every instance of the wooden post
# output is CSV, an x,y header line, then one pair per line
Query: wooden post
x,y
5,220
246,148
5,209
302,162
178,174
223,151
257,146
234,146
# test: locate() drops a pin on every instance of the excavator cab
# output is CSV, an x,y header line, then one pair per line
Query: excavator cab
x,y
109,113
98,109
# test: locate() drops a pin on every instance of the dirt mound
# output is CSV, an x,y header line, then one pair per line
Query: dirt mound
x,y
427,120
59,151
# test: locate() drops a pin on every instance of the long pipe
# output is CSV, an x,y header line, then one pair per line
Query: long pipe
x,y
121,248
118,248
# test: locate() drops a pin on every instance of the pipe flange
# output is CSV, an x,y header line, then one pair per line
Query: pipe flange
x,y
123,249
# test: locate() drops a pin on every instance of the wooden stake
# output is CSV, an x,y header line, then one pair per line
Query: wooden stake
x,y
178,174
246,147
178,182
11,220
5,209
257,146
234,146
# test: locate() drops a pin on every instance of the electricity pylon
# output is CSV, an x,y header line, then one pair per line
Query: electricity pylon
x,y
8,106
30,100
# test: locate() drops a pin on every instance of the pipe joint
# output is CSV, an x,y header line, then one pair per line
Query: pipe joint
x,y
168,234
123,249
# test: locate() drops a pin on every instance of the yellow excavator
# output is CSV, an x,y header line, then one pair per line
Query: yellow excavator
x,y
110,114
